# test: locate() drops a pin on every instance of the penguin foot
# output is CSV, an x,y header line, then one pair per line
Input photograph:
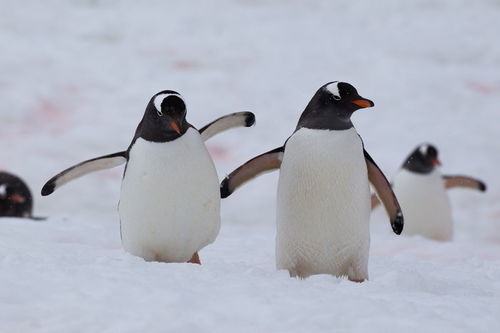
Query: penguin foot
x,y
357,281
195,259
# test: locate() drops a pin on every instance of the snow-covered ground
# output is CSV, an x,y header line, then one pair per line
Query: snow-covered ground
x,y
75,77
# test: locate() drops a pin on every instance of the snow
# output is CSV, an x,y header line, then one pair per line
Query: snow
x,y
75,79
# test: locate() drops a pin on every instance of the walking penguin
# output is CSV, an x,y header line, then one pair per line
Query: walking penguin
x,y
170,200
323,204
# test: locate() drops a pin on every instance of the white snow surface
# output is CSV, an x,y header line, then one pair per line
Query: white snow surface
x,y
75,78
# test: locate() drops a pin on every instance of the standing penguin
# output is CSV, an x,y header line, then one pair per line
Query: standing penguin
x,y
323,204
170,199
421,190
15,197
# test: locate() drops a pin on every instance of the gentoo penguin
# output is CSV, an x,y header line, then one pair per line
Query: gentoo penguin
x,y
15,197
170,199
323,204
421,190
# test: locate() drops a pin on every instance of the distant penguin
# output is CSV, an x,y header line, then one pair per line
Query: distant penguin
x,y
170,198
421,190
323,204
15,197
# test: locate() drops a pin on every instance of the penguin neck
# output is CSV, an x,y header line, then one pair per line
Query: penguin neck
x,y
324,118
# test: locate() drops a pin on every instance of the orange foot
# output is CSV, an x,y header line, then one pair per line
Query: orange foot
x,y
195,259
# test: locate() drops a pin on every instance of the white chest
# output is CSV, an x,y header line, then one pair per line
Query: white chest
x,y
425,204
170,199
323,203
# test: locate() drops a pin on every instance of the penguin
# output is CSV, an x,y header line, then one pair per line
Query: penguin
x,y
323,198
15,197
421,190
170,198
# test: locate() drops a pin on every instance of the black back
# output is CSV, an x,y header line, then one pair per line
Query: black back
x,y
422,160
164,118
332,106
15,197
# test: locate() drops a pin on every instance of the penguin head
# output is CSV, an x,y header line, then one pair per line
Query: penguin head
x,y
165,117
332,106
424,159
342,97
15,197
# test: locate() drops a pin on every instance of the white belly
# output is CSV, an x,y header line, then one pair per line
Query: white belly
x,y
170,199
425,205
323,205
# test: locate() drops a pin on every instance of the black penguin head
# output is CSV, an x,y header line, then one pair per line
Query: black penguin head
x,y
164,118
332,106
15,197
424,159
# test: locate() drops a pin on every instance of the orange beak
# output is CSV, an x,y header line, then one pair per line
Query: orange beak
x,y
363,103
17,198
436,162
174,126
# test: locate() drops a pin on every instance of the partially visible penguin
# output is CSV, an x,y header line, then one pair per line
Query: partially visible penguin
x,y
323,204
15,197
421,190
170,198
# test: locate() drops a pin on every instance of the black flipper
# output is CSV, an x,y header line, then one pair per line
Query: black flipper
x,y
83,168
237,119
386,195
263,163
451,181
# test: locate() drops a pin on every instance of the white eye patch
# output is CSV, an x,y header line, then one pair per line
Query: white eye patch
x,y
423,149
333,88
3,190
159,99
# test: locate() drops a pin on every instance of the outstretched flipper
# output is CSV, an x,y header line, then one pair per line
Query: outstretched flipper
x,y
464,181
83,168
237,119
386,195
263,163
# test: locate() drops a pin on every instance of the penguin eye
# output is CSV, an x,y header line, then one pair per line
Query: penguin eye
x,y
335,97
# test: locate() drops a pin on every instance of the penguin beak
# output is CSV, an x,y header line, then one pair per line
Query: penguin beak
x,y
363,103
436,162
17,198
174,126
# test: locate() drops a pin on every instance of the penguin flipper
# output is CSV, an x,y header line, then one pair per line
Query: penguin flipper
x,y
385,194
263,163
83,168
451,181
232,120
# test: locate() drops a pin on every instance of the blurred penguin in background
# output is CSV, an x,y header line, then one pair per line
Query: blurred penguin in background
x,y
15,197
421,190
